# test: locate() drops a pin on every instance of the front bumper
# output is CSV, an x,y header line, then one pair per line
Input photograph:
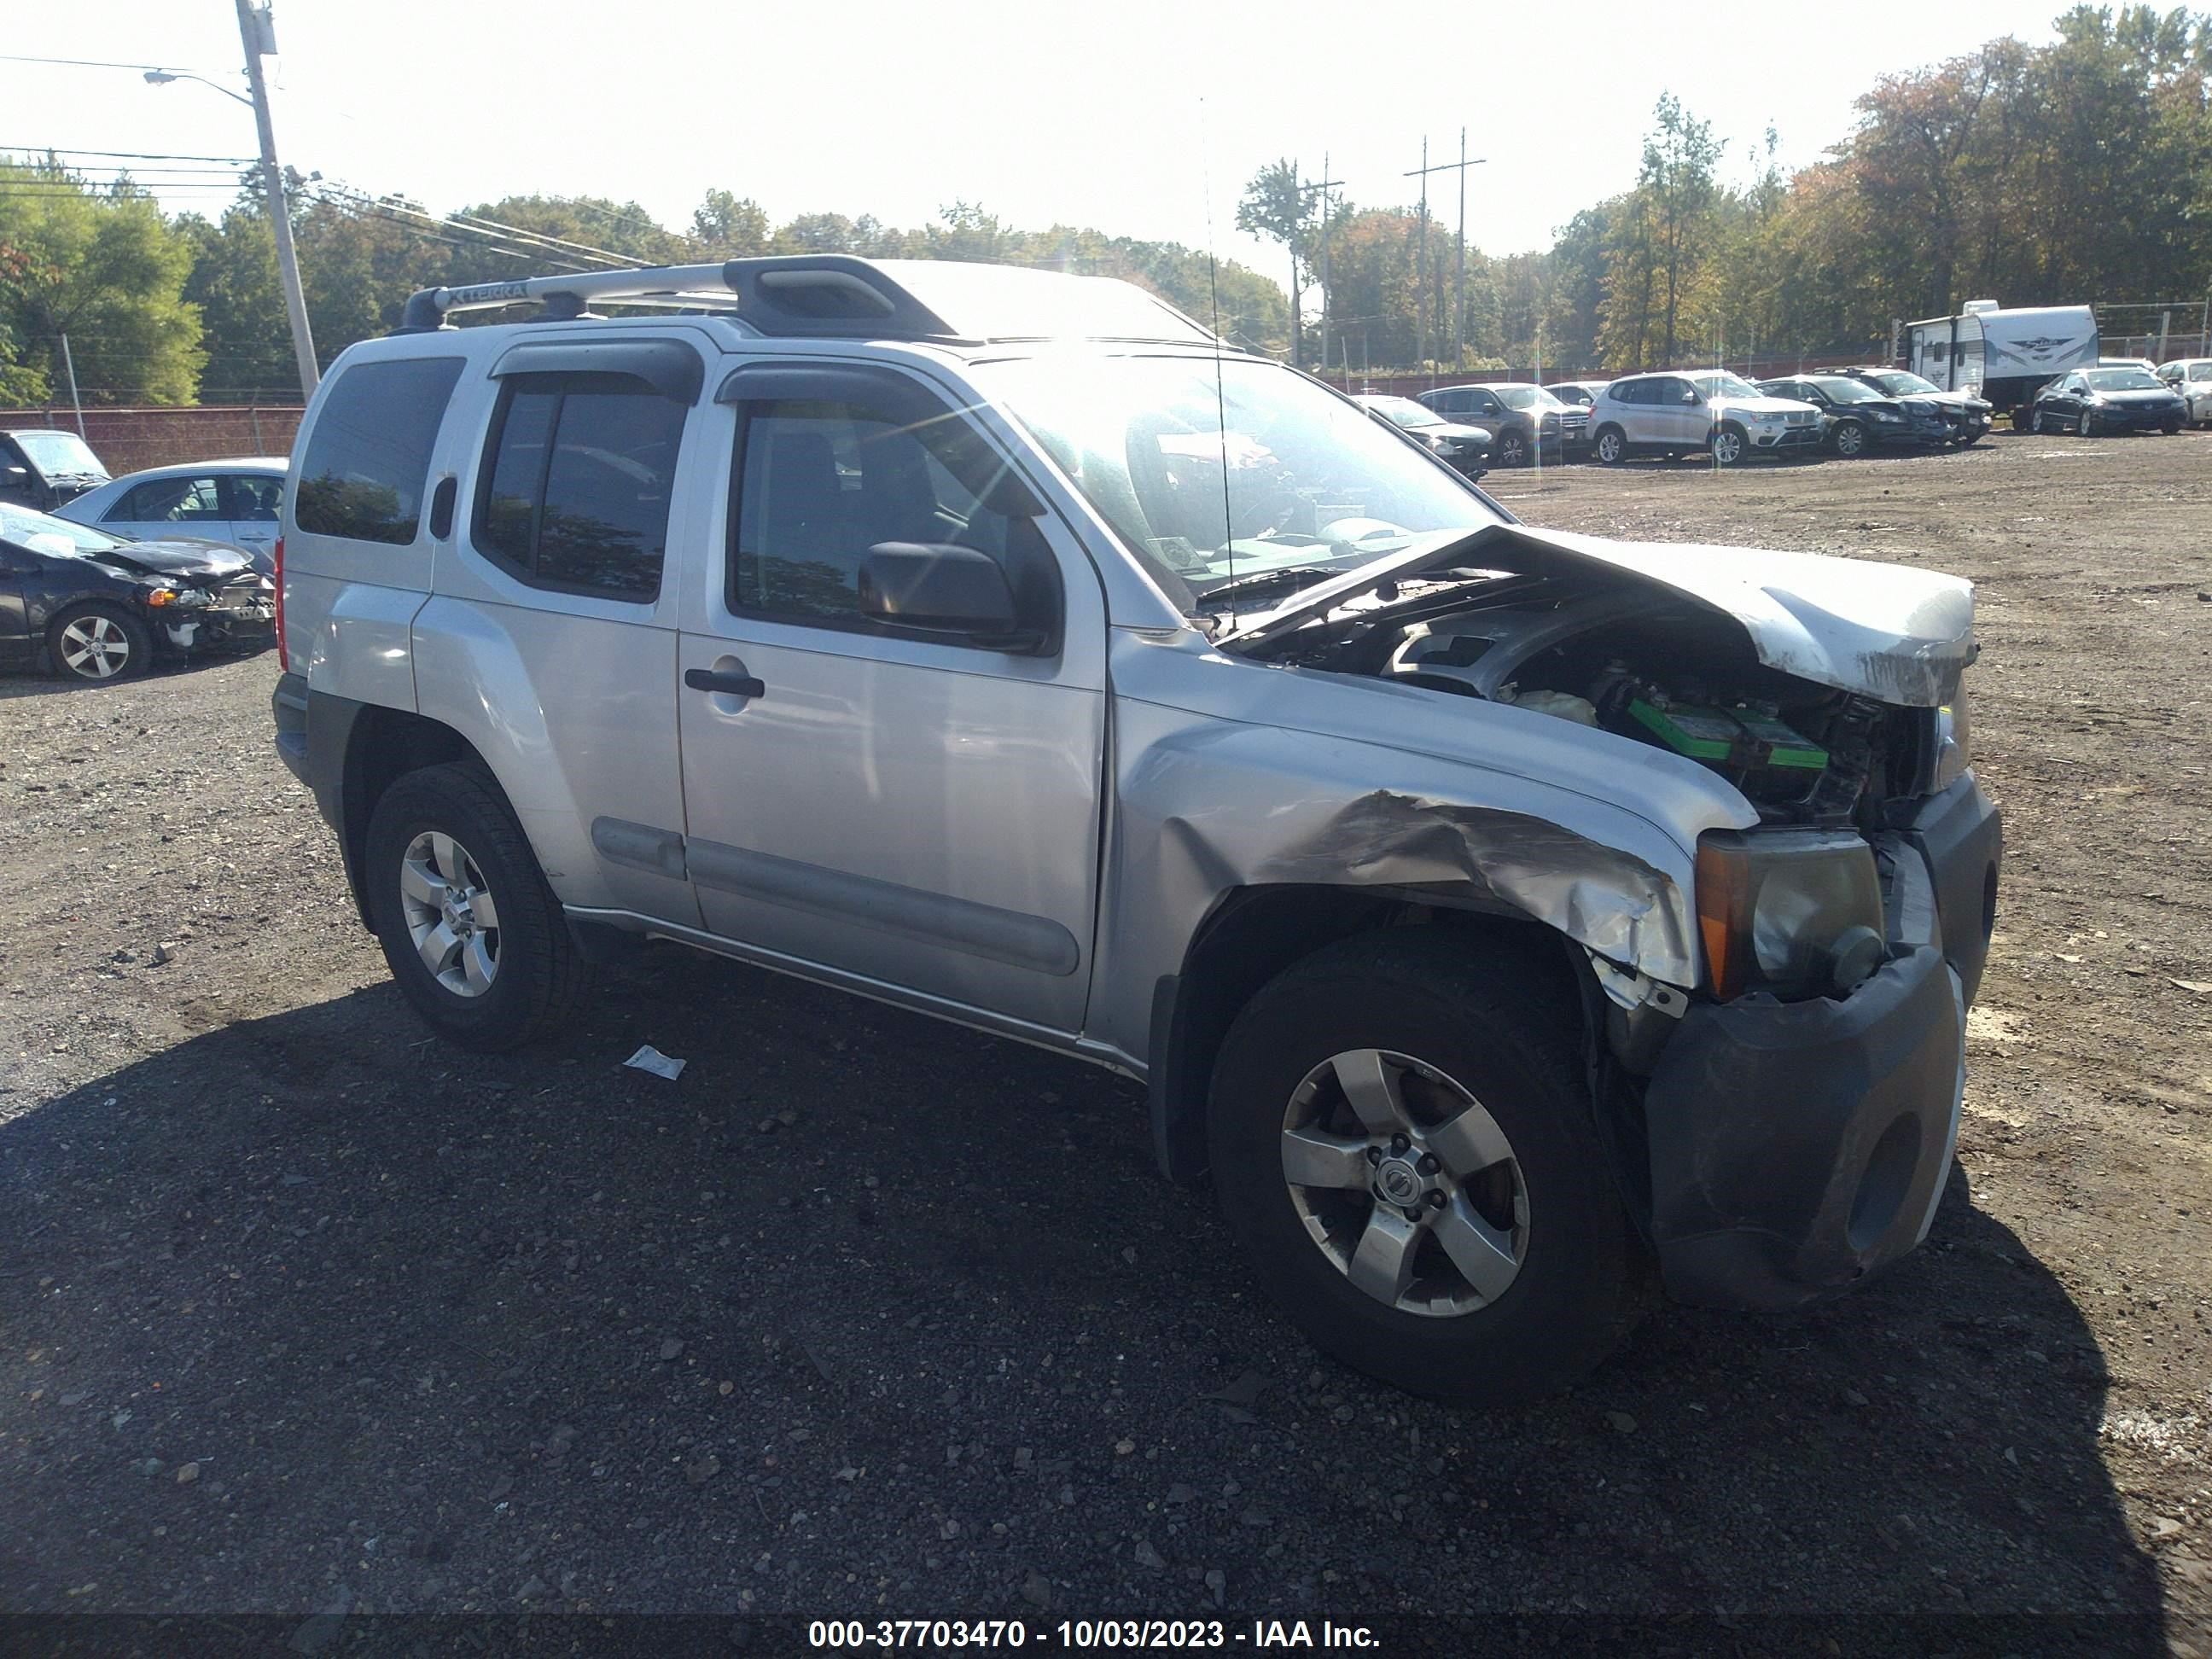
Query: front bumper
x,y
1797,1148
1787,437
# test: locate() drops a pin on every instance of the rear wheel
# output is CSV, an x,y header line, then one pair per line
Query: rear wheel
x,y
1611,446
100,643
1729,445
470,930
1402,1138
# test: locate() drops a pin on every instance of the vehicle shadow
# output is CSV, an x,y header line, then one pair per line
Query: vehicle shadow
x,y
311,1306
41,684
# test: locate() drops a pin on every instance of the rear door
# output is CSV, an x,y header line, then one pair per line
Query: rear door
x,y
185,505
920,811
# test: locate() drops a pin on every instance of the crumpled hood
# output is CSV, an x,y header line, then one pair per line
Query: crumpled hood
x,y
183,555
1885,631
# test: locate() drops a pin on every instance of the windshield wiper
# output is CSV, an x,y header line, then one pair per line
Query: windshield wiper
x,y
1297,575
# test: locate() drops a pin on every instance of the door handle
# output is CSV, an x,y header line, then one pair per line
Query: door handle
x,y
730,685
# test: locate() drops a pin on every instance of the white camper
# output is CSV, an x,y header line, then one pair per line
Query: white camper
x,y
2006,356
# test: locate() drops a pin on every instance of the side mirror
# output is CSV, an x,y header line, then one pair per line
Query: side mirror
x,y
14,475
1689,397
943,589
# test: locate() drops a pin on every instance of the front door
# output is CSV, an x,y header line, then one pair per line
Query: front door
x,y
16,645
922,811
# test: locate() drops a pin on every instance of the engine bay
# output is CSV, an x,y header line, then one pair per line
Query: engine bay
x,y
1645,666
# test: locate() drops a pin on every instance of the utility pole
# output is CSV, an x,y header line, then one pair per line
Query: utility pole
x,y
1459,306
257,33
1324,184
69,365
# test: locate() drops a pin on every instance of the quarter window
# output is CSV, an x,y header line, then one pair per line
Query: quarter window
x,y
577,480
369,456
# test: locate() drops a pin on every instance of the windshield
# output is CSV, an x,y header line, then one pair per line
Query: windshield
x,y
1403,411
1725,384
2124,380
43,533
59,454
1526,396
1848,391
1214,481
1898,384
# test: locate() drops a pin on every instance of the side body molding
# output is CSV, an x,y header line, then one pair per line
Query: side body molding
x,y
1037,943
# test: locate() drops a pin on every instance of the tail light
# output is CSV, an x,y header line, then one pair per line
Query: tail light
x,y
284,656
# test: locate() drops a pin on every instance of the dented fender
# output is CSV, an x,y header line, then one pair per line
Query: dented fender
x,y
1345,782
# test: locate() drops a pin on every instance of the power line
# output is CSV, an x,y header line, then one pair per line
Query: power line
x,y
128,155
81,63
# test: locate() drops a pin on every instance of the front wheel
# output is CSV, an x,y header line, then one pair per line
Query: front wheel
x,y
470,930
2083,426
100,643
1611,446
1850,439
2170,427
1512,448
1402,1138
1729,445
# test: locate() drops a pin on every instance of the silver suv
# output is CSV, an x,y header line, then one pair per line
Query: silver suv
x,y
1491,911
1711,411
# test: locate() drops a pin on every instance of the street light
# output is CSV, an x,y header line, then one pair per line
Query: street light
x,y
258,33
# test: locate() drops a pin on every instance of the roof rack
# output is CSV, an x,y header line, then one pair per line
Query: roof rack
x,y
837,295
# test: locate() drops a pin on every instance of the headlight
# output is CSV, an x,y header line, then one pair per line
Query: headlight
x,y
1889,414
1794,912
1954,740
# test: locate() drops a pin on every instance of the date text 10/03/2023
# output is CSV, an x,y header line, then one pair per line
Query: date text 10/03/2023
x,y
1087,1633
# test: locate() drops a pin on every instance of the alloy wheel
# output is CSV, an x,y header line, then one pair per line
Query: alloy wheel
x,y
1850,438
95,648
1727,447
1405,1182
450,914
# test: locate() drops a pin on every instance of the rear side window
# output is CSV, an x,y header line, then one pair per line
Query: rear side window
x,y
577,481
369,457
178,501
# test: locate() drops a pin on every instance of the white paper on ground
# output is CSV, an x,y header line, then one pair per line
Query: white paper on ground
x,y
650,1059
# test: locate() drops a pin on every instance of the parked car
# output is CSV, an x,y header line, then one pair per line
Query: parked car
x,y
235,502
91,606
41,467
2090,401
1527,420
1582,393
1470,897
1711,411
1465,448
2142,363
1970,416
2190,379
1856,419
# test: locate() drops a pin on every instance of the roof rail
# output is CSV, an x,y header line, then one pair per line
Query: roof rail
x,y
837,295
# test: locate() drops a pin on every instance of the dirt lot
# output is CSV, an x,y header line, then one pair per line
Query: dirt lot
x,y
300,1311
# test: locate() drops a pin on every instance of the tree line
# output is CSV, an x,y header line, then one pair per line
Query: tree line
x,y
2077,170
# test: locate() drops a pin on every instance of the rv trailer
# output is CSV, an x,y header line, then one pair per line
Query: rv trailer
x,y
2006,356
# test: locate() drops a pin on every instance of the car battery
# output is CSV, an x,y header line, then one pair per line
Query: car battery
x,y
1755,750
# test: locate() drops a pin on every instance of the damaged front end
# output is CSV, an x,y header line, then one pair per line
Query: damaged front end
x,y
1789,1096
221,611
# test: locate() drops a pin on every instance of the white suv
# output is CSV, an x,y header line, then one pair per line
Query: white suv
x,y
2191,378
1492,911
1711,411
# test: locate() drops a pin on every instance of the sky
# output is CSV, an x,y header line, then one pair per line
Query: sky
x,y
1139,119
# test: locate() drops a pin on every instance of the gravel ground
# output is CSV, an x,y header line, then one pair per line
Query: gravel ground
x,y
302,1311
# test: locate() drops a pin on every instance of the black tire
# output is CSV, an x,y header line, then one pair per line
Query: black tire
x,y
1512,448
2084,426
539,978
2035,422
1849,439
1609,446
1719,446
85,638
1488,1023
2170,427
